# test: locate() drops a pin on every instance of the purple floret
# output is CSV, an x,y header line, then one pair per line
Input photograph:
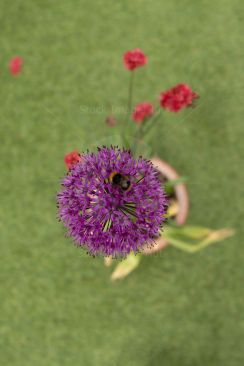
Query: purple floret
x,y
103,216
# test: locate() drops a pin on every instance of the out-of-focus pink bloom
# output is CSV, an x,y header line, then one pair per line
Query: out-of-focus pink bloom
x,y
111,121
142,111
177,98
133,59
71,159
15,65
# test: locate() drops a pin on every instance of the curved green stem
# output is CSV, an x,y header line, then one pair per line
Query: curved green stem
x,y
208,237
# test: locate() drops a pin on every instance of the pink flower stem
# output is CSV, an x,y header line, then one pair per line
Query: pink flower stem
x,y
143,128
130,97
138,137
151,121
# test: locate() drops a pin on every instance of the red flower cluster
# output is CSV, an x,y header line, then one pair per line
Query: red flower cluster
x,y
177,98
71,159
142,111
134,59
15,65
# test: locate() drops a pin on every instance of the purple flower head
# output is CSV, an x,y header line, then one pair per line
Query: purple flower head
x,y
112,203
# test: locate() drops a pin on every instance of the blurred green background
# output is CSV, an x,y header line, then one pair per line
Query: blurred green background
x,y
57,305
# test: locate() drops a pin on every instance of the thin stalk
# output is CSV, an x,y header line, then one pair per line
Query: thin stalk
x,y
137,137
130,96
151,121
143,129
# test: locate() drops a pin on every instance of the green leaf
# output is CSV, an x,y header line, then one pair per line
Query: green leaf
x,y
181,242
192,232
126,267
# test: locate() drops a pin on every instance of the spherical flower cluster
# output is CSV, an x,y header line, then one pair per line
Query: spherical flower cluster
x,y
71,159
177,98
134,59
142,111
112,203
15,65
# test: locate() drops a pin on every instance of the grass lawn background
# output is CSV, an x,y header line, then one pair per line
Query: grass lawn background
x,y
57,305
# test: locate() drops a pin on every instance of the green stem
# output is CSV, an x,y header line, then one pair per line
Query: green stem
x,y
188,247
211,238
143,128
130,97
136,139
151,121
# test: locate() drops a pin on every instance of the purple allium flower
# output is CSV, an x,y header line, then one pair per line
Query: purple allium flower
x,y
112,203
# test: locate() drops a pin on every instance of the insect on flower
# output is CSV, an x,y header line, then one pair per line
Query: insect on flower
x,y
120,180
124,182
112,203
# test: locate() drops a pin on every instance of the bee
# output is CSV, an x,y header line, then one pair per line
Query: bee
x,y
127,208
120,180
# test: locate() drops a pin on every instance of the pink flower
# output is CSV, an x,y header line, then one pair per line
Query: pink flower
x,y
177,98
134,58
15,65
71,159
142,111
111,121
